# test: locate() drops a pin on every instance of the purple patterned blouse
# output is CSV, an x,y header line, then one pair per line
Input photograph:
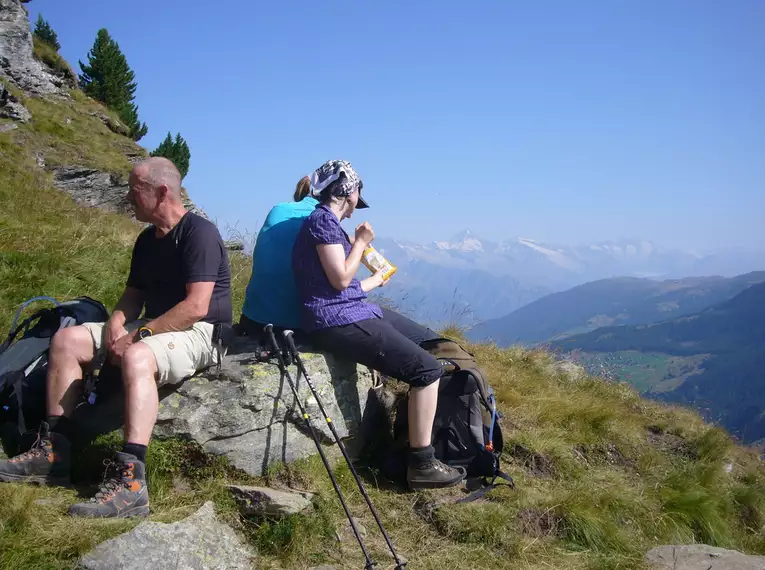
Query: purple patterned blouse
x,y
323,306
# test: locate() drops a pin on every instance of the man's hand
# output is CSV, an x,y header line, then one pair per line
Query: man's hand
x,y
365,233
118,348
114,331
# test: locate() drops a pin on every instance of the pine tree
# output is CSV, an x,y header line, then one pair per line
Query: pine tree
x,y
109,79
176,150
45,33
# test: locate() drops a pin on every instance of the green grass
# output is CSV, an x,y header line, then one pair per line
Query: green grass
x,y
602,475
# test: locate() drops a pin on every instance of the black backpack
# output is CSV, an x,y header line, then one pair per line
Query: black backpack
x,y
466,430
24,357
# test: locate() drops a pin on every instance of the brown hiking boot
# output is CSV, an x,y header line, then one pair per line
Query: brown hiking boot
x,y
123,494
46,463
433,475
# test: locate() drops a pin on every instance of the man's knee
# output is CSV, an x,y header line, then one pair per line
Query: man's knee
x,y
72,342
138,361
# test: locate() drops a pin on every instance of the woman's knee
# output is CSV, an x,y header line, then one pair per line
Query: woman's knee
x,y
426,371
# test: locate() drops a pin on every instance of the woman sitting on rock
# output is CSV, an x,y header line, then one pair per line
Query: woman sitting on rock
x,y
340,321
271,295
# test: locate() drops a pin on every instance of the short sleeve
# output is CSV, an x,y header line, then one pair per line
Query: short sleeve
x,y
324,231
201,253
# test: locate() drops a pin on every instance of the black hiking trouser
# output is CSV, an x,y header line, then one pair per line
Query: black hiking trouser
x,y
389,345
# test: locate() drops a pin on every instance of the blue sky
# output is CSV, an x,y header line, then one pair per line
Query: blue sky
x,y
562,121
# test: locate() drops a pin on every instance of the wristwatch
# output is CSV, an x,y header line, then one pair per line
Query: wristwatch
x,y
144,332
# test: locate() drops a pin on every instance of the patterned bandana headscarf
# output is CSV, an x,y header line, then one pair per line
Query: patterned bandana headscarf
x,y
328,174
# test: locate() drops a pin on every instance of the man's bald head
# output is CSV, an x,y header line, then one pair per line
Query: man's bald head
x,y
159,171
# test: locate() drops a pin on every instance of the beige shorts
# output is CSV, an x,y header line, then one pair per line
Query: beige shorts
x,y
179,354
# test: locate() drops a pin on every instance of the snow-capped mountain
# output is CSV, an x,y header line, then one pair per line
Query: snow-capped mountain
x,y
494,278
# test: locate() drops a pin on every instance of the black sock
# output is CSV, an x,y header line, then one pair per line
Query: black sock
x,y
421,456
61,425
135,449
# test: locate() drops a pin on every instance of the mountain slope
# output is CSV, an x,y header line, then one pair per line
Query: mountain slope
x,y
621,301
729,387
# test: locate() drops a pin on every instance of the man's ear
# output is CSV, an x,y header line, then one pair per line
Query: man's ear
x,y
162,192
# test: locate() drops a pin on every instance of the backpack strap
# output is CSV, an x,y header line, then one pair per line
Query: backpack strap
x,y
487,487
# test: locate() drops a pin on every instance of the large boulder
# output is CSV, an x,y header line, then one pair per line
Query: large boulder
x,y
701,557
16,60
199,541
246,411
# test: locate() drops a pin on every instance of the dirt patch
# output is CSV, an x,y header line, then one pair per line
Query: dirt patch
x,y
670,443
534,463
538,524
603,454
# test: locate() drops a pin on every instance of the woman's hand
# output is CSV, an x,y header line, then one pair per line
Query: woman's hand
x,y
365,233
373,281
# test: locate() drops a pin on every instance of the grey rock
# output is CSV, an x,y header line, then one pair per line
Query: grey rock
x,y
346,531
191,206
8,127
266,502
324,567
234,245
93,188
16,60
246,411
702,557
11,107
198,542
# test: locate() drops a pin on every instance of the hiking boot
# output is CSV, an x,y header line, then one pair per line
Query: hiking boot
x,y
46,463
433,474
123,494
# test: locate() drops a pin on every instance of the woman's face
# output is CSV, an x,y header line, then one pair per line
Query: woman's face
x,y
350,204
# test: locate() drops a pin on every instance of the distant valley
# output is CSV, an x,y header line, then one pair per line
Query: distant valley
x,y
712,360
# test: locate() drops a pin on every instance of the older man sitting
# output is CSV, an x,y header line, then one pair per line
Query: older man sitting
x,y
180,278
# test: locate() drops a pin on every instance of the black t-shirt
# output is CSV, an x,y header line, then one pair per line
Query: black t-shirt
x,y
193,251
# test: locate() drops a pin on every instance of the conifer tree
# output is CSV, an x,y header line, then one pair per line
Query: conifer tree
x,y
109,79
176,150
45,33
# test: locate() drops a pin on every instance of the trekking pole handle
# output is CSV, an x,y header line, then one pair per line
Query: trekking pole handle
x,y
289,338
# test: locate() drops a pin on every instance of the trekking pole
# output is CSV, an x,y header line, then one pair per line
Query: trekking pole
x,y
301,369
269,329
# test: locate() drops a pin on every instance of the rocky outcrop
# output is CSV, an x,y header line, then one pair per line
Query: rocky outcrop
x,y
11,107
200,541
16,60
246,412
701,557
93,188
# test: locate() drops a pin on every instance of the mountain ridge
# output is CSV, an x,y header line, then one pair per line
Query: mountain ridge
x,y
621,300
